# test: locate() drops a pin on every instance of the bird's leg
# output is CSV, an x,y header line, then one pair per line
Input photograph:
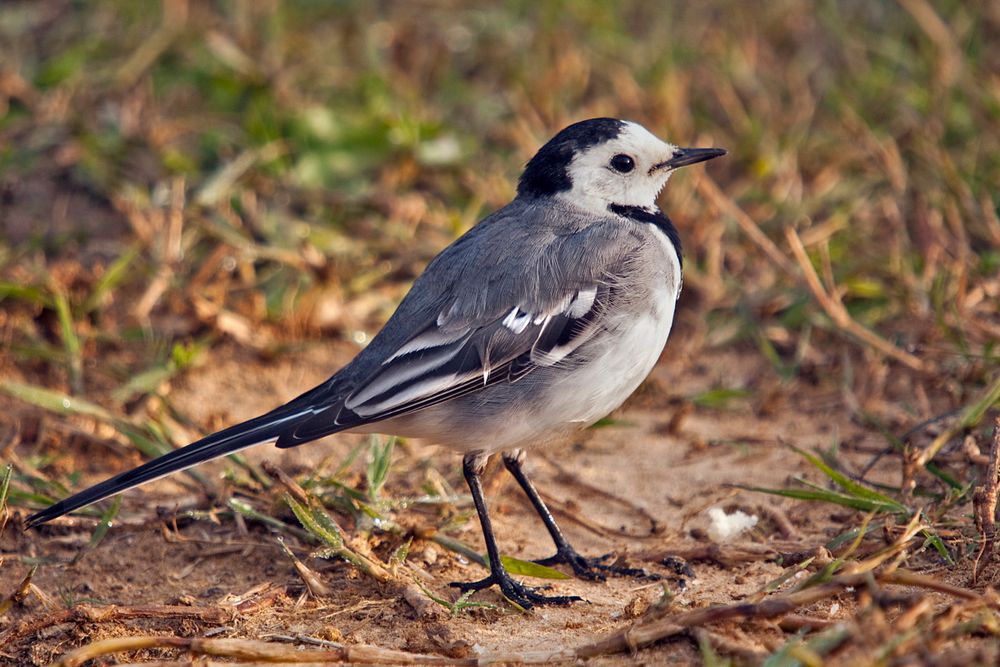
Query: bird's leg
x,y
472,466
585,568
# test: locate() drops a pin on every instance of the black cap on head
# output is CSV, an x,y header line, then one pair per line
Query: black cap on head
x,y
547,173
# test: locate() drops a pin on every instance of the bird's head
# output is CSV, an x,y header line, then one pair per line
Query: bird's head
x,y
601,162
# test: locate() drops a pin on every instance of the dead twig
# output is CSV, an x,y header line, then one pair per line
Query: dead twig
x,y
644,633
949,59
984,501
175,16
712,192
568,477
312,580
253,600
729,554
283,478
86,613
780,520
861,575
907,578
797,622
257,651
20,593
259,597
968,418
564,510
729,646
837,312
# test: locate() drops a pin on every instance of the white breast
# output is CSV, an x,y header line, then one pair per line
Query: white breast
x,y
592,391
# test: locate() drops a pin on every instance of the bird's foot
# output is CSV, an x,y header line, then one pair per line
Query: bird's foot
x,y
598,568
681,568
523,596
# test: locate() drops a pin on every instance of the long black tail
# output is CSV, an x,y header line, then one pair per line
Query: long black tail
x,y
266,428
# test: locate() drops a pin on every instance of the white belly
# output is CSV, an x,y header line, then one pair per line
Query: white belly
x,y
597,388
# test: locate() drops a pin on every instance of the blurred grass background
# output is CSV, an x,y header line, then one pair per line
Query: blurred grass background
x,y
175,174
183,181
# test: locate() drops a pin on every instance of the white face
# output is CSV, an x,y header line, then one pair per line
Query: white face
x,y
601,174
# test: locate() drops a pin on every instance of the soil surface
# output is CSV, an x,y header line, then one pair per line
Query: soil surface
x,y
607,487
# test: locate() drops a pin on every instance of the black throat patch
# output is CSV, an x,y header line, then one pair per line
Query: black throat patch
x,y
656,218
548,172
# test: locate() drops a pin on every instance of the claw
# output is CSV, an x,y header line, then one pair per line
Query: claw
x,y
523,596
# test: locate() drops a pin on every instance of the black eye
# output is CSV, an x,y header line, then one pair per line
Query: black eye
x,y
622,163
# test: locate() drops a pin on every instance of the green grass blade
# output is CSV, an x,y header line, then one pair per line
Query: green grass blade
x,y
107,520
789,572
819,645
849,536
325,531
459,547
720,398
112,278
850,486
144,383
378,467
827,496
899,446
935,541
71,342
34,499
458,606
245,509
346,463
8,472
974,413
55,401
144,440
30,293
608,421
526,568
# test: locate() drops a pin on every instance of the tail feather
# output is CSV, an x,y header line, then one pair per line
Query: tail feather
x,y
266,428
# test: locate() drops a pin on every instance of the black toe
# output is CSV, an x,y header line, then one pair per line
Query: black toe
x,y
523,596
596,569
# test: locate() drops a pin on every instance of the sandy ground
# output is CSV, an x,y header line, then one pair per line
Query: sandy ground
x,y
674,469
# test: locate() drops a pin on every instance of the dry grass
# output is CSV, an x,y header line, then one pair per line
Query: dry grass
x,y
178,178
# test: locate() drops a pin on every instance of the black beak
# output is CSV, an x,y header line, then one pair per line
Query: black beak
x,y
685,156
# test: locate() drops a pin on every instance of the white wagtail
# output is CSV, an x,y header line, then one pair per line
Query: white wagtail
x,y
537,322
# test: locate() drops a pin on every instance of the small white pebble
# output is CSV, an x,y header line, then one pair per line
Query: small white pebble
x,y
727,526
430,555
834,608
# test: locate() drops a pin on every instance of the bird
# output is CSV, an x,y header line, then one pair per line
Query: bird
x,y
537,322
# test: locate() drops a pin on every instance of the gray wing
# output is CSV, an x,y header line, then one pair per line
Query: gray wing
x,y
518,292
442,362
